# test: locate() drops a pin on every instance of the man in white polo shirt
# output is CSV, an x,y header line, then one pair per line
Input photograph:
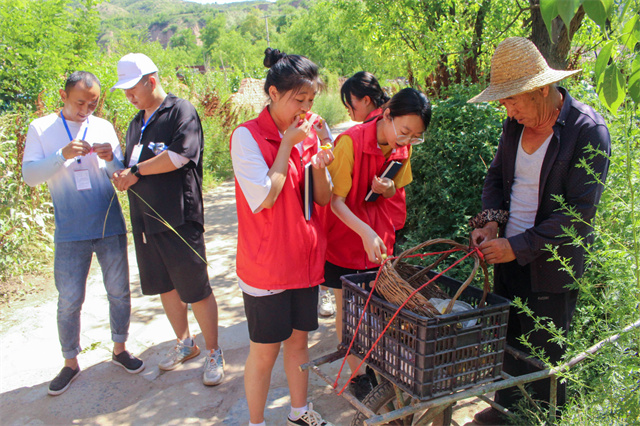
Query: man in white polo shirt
x,y
75,153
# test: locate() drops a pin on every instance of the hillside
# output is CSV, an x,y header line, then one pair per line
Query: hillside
x,y
160,20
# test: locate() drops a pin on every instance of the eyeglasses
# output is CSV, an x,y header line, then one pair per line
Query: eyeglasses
x,y
406,139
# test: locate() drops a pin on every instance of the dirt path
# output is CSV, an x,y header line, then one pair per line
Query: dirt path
x,y
104,394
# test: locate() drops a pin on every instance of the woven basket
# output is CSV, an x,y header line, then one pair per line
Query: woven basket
x,y
399,279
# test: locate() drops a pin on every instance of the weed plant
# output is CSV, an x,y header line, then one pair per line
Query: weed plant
x,y
604,388
328,104
25,213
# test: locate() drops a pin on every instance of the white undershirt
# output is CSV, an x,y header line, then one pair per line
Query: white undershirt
x,y
177,159
251,171
525,189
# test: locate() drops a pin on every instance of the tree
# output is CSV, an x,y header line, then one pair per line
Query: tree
x,y
418,35
617,67
556,43
40,41
252,26
184,38
471,61
337,36
215,26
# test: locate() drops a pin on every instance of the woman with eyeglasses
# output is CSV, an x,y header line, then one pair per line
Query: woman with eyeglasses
x,y
363,97
360,232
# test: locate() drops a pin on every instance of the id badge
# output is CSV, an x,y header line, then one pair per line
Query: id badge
x,y
135,155
81,177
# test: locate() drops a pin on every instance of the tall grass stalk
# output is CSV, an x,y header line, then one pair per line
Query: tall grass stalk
x,y
160,219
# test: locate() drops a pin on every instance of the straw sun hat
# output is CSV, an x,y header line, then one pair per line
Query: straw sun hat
x,y
518,67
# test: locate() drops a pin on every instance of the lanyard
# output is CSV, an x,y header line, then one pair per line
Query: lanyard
x,y
84,136
144,125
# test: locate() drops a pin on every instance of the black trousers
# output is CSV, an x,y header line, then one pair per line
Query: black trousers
x,y
511,281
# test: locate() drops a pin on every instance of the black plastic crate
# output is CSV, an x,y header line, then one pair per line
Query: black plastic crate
x,y
427,357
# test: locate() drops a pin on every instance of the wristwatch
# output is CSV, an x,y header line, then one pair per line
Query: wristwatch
x,y
135,171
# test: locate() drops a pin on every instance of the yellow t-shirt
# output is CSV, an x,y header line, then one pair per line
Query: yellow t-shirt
x,y
341,169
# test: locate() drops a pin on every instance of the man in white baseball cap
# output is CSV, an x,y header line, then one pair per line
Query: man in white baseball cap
x,y
164,160
131,68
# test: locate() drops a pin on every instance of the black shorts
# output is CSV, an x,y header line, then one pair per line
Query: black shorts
x,y
272,319
332,274
166,263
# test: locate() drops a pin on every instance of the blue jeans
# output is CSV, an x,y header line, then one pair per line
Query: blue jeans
x,y
71,268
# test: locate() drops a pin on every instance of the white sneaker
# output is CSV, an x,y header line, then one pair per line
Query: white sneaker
x,y
309,418
213,368
178,354
326,308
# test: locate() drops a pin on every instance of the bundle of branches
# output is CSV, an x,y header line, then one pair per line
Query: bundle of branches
x,y
399,279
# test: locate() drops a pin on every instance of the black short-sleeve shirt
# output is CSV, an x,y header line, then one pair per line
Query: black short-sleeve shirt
x,y
176,196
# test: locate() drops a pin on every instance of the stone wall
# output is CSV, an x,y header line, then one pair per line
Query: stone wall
x,y
250,94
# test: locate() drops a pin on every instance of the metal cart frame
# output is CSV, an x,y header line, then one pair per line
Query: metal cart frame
x,y
435,406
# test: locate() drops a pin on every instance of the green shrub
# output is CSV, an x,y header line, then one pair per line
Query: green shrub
x,y
449,168
25,213
328,104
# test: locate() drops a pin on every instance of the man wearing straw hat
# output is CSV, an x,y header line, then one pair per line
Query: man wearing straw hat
x,y
163,177
546,135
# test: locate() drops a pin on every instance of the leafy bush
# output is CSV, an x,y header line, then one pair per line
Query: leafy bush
x,y
25,213
219,120
329,106
449,168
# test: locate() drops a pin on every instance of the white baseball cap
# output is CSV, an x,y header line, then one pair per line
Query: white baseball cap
x,y
131,68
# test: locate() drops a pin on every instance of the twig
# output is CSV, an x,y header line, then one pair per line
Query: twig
x,y
104,224
165,223
592,350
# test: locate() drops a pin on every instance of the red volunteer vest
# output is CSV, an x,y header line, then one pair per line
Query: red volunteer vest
x,y
398,203
373,114
344,246
397,207
277,247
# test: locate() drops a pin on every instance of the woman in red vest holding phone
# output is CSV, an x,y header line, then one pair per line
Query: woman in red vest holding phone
x,y
360,232
363,97
280,258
